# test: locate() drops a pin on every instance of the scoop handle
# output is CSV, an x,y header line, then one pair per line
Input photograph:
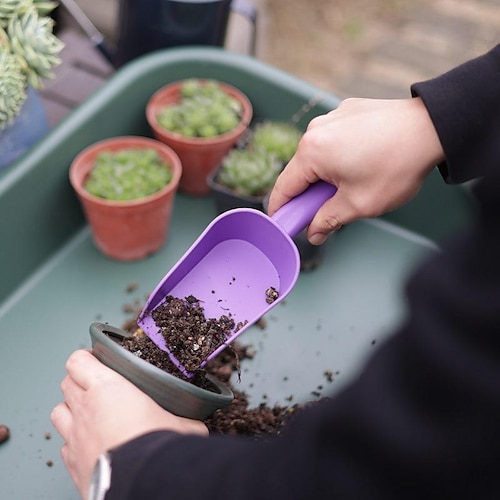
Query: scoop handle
x,y
295,215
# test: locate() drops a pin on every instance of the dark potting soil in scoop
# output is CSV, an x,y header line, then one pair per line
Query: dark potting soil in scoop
x,y
190,336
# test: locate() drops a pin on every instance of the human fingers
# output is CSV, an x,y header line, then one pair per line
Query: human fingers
x,y
311,162
79,478
94,388
78,464
61,419
292,181
73,393
320,120
86,370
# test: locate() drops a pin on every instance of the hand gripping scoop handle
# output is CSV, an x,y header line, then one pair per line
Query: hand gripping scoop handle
x,y
239,256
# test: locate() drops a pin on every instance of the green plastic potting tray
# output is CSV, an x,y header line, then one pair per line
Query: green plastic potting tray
x,y
55,283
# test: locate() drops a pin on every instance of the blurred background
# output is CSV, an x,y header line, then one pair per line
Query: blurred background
x,y
369,48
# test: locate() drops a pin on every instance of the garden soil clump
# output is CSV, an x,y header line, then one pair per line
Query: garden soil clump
x,y
235,419
190,336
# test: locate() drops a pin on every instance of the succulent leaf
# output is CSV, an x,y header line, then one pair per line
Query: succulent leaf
x,y
12,87
43,7
205,110
33,42
279,138
12,8
249,172
28,51
128,174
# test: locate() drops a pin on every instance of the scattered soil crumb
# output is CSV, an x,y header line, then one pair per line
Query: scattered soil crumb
x,y
4,433
262,323
271,295
128,308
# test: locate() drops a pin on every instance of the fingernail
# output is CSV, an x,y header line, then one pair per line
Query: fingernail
x,y
317,238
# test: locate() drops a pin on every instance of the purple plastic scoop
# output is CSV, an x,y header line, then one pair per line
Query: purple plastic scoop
x,y
241,254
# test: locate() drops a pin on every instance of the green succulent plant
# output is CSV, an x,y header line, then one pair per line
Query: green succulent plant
x,y
253,169
12,86
205,110
128,174
13,8
26,35
249,172
279,138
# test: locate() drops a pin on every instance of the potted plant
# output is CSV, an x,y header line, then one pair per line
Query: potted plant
x,y
279,139
127,186
246,176
28,52
201,120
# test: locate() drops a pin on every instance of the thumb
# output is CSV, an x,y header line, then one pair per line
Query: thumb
x,y
332,215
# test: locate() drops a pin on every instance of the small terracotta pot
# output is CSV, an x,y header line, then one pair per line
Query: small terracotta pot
x,y
199,155
171,393
127,230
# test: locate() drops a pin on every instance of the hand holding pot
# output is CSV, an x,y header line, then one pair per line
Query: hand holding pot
x,y
367,148
102,410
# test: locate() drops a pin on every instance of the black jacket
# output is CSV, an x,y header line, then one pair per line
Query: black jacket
x,y
424,416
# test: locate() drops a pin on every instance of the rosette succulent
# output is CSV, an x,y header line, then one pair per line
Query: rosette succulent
x,y
204,110
28,51
12,87
253,169
249,172
128,174
279,138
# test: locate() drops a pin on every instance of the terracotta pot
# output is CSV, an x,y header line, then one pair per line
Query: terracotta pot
x,y
199,155
127,230
172,393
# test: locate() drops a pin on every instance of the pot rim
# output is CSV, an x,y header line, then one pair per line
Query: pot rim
x,y
224,396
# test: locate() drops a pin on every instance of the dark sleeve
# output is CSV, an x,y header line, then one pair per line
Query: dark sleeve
x,y
464,106
421,420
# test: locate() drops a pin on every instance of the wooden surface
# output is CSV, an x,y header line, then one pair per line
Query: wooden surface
x,y
83,70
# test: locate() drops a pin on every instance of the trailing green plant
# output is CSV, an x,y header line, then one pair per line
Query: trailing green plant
x,y
204,110
249,172
26,35
128,174
278,138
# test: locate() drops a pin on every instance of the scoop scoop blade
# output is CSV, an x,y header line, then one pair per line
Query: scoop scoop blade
x,y
241,255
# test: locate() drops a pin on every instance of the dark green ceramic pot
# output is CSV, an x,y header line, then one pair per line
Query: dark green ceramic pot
x,y
175,395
